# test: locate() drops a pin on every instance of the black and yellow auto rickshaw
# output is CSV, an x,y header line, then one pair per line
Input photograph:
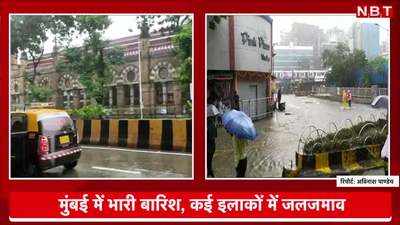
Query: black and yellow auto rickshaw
x,y
42,139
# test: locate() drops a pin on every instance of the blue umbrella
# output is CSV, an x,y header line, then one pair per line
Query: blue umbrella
x,y
239,124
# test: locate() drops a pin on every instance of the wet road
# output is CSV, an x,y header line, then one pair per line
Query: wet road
x,y
279,135
110,162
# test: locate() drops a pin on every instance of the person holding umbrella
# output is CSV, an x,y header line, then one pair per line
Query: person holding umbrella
x,y
242,129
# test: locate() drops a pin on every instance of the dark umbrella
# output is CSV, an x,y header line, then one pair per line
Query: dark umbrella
x,y
380,101
239,124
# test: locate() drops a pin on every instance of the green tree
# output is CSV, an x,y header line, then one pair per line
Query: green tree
x,y
183,42
174,23
144,24
181,26
38,93
378,64
343,65
366,80
29,33
93,62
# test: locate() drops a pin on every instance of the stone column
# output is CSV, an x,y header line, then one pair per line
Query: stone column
x,y
120,95
132,97
110,96
147,89
177,99
76,98
164,93
66,93
84,97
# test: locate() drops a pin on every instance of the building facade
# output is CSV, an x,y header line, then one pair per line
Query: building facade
x,y
239,58
366,38
291,57
17,82
145,84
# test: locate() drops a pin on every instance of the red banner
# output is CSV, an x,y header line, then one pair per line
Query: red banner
x,y
200,206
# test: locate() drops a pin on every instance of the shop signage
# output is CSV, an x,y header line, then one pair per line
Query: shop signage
x,y
256,42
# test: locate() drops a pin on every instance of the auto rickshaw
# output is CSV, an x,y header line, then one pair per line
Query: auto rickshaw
x,y
41,139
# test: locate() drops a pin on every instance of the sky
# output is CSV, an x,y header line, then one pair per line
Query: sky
x,y
283,23
120,26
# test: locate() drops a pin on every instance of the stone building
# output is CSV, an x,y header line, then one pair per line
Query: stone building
x,y
149,75
17,83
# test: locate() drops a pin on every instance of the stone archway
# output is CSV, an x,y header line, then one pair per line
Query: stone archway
x,y
124,88
129,74
162,71
163,76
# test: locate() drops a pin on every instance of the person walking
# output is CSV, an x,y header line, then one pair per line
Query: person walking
x,y
349,97
241,128
212,113
279,97
344,99
240,156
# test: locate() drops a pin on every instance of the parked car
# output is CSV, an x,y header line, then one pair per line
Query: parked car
x,y
42,139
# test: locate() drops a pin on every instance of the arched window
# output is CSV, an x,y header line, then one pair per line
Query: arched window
x,y
131,76
163,73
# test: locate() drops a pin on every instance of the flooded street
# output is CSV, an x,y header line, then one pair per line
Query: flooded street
x,y
278,136
110,162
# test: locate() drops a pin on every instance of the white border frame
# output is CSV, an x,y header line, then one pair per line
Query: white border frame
x,y
92,178
281,14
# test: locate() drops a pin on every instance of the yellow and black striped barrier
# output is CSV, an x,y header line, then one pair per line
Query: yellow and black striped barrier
x,y
168,135
348,160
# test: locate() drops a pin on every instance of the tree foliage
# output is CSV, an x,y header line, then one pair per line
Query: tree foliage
x,y
174,23
181,26
344,65
38,93
378,64
144,24
375,67
29,33
183,43
92,61
90,112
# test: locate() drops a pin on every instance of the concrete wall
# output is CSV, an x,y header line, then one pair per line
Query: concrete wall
x,y
359,95
218,47
166,135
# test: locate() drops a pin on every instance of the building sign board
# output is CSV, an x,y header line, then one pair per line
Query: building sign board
x,y
253,41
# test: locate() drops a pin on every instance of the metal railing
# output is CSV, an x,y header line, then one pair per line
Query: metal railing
x,y
256,108
383,91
